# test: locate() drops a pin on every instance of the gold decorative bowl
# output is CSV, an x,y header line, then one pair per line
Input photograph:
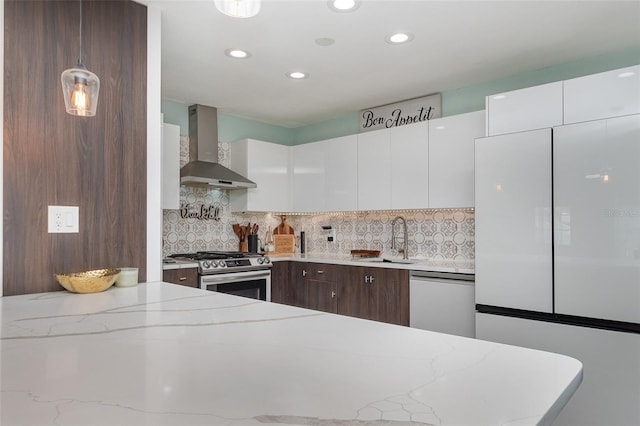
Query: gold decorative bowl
x,y
89,281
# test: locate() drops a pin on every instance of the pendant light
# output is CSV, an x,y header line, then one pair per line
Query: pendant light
x,y
238,8
80,86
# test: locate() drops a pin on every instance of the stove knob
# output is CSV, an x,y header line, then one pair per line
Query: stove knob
x,y
267,260
206,264
222,263
260,260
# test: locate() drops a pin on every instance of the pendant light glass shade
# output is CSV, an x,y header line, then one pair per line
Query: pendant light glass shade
x,y
80,87
238,8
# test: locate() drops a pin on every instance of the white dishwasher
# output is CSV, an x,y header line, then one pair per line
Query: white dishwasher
x,y
442,302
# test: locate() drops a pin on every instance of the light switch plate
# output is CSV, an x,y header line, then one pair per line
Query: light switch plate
x,y
64,219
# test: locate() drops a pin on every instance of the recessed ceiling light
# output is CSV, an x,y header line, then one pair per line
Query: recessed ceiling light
x,y
626,74
343,5
237,53
498,97
399,38
297,75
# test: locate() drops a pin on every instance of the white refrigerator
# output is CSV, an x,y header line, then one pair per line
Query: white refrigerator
x,y
596,193
558,223
558,255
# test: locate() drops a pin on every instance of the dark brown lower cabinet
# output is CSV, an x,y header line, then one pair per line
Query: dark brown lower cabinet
x,y
321,287
280,292
378,294
184,276
287,283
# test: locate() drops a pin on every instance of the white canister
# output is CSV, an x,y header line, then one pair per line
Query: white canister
x,y
128,277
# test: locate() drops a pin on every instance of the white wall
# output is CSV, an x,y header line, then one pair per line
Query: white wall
x,y
154,147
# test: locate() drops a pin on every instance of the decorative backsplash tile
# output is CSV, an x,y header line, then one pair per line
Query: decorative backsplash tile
x,y
434,234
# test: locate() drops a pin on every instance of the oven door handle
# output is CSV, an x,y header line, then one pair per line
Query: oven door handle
x,y
234,277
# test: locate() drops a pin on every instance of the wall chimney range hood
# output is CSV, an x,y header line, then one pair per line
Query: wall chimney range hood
x,y
203,168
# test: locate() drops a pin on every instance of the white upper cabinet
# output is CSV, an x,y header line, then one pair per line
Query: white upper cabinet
x,y
532,108
341,172
604,95
268,165
374,170
308,177
451,157
409,146
170,166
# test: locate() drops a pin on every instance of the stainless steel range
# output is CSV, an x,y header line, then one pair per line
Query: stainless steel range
x,y
241,274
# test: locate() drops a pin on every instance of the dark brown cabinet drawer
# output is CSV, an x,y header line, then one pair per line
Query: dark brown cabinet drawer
x,y
186,276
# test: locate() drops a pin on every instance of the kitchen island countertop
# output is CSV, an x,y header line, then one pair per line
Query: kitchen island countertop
x,y
164,354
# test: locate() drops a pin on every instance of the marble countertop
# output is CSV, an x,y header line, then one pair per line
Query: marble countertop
x,y
163,354
426,265
178,264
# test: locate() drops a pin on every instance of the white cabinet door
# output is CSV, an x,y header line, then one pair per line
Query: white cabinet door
x,y
445,306
308,177
451,157
410,166
374,170
532,108
604,95
610,390
596,189
268,165
341,167
513,221
170,166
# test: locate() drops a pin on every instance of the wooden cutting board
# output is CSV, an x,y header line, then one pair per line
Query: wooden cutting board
x,y
283,228
284,243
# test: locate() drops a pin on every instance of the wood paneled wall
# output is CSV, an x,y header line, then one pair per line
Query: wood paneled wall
x,y
52,158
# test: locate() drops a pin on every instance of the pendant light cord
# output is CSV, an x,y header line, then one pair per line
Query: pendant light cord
x,y
80,37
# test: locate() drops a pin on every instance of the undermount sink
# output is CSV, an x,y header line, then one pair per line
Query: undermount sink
x,y
405,261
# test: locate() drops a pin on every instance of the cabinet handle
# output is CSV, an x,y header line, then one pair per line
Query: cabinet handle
x,y
182,279
321,272
304,273
371,278
333,294
366,279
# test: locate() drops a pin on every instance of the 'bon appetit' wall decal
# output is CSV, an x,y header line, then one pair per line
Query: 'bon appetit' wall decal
x,y
203,212
401,113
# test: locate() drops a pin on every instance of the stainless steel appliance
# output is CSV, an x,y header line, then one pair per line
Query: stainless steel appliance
x,y
237,273
204,169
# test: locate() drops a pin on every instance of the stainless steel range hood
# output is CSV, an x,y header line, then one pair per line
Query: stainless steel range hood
x,y
203,168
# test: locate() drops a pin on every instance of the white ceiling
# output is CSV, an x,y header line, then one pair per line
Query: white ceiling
x,y
456,44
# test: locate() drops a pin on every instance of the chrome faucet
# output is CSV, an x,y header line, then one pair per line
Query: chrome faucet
x,y
405,243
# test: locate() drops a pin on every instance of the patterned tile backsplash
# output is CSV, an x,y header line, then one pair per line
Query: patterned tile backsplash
x,y
433,234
